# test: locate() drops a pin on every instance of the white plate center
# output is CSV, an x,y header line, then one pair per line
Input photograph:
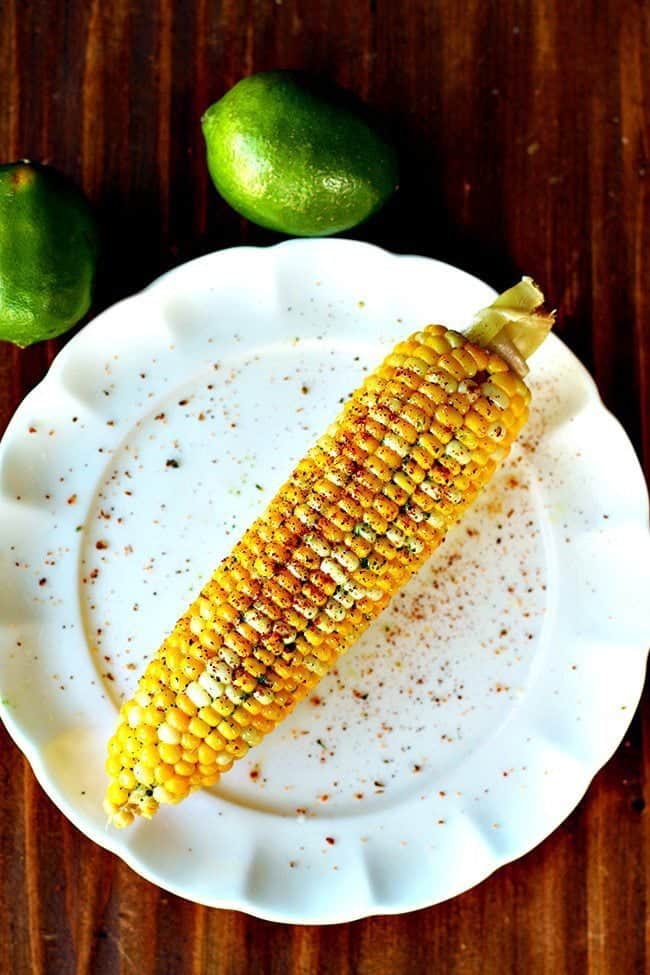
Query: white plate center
x,y
430,680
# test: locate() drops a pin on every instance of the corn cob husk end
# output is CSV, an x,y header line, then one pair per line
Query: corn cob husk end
x,y
514,325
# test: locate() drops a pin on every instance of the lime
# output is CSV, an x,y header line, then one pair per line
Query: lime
x,y
294,157
48,249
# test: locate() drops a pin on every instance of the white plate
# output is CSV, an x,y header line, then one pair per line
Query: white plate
x,y
467,722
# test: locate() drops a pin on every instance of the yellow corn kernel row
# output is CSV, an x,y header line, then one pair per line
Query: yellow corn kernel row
x,y
358,516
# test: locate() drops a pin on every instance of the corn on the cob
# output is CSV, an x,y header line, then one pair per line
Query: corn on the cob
x,y
357,517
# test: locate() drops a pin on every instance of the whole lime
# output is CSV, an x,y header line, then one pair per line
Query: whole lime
x,y
48,252
292,156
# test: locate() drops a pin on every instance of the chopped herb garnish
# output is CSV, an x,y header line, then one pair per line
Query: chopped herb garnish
x,y
259,487
364,563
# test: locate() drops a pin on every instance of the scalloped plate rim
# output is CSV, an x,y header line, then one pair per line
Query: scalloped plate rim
x,y
371,907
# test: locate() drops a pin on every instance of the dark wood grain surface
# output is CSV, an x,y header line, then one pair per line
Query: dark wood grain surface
x,y
523,128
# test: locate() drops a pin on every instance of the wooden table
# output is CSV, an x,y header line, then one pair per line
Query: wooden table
x,y
523,130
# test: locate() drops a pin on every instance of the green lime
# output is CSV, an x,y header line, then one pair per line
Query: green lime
x,y
48,251
296,158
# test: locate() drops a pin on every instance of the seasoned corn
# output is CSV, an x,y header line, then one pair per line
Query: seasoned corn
x,y
358,516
